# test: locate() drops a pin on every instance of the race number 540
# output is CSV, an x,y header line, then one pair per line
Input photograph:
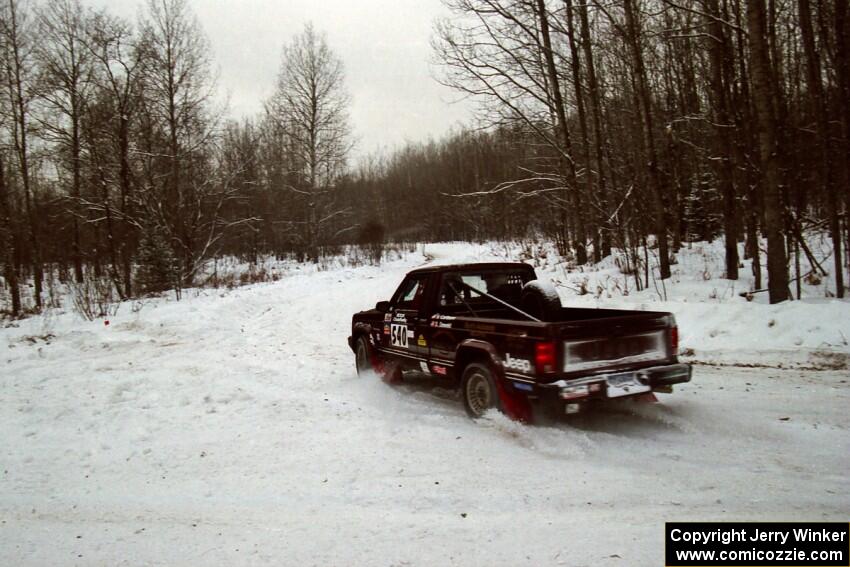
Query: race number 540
x,y
398,335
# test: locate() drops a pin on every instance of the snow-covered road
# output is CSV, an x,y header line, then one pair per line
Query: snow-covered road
x,y
231,428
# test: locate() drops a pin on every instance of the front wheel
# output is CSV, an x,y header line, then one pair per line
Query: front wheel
x,y
480,393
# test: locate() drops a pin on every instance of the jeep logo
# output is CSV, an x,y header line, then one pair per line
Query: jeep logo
x,y
517,363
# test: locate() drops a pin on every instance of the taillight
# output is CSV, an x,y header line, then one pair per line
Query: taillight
x,y
674,341
544,357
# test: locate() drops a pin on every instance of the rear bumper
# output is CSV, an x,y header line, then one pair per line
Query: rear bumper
x,y
595,386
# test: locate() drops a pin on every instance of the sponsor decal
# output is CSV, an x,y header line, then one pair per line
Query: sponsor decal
x,y
398,335
423,366
386,329
437,369
443,317
520,364
400,317
388,316
442,321
421,341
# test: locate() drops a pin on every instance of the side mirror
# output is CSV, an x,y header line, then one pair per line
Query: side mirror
x,y
383,306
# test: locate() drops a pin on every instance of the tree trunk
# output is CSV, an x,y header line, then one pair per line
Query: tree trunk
x,y
7,244
722,119
649,147
566,154
596,121
842,56
20,142
582,118
820,110
127,208
741,104
76,253
763,100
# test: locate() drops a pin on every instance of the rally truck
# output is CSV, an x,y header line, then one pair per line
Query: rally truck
x,y
502,337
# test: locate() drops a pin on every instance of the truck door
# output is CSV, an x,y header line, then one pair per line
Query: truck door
x,y
444,336
408,323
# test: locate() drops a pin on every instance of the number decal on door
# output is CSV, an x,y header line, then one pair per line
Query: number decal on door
x,y
398,335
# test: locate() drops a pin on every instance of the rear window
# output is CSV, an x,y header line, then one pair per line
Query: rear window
x,y
459,289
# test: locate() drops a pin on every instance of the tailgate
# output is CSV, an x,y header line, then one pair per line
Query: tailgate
x,y
626,339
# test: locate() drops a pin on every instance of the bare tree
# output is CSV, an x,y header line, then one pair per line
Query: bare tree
x,y
177,88
602,114
821,111
504,54
634,38
594,99
718,49
841,21
310,104
7,243
559,109
764,100
65,84
118,63
16,43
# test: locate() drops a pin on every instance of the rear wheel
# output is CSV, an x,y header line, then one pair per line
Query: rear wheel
x,y
480,393
364,360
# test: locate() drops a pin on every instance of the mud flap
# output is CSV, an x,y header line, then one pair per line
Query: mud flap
x,y
377,362
514,405
389,372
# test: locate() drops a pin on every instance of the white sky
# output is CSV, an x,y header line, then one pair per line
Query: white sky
x,y
384,45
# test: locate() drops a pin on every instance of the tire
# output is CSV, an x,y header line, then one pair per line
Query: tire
x,y
478,390
540,299
363,361
362,356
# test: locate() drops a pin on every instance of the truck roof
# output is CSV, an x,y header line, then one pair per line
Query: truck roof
x,y
470,266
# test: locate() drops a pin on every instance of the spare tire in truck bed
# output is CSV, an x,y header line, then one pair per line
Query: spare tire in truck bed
x,y
540,299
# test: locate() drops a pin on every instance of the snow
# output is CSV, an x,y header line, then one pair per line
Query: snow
x,y
231,428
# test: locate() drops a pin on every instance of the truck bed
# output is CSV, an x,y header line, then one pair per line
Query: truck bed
x,y
587,339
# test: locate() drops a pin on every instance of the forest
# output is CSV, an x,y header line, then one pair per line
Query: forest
x,y
629,127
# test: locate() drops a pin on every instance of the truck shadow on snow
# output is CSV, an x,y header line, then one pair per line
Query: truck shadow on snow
x,y
627,418
621,418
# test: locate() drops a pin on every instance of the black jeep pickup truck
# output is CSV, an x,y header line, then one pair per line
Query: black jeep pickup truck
x,y
503,338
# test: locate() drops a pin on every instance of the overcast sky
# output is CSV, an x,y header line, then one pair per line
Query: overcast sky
x,y
384,45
